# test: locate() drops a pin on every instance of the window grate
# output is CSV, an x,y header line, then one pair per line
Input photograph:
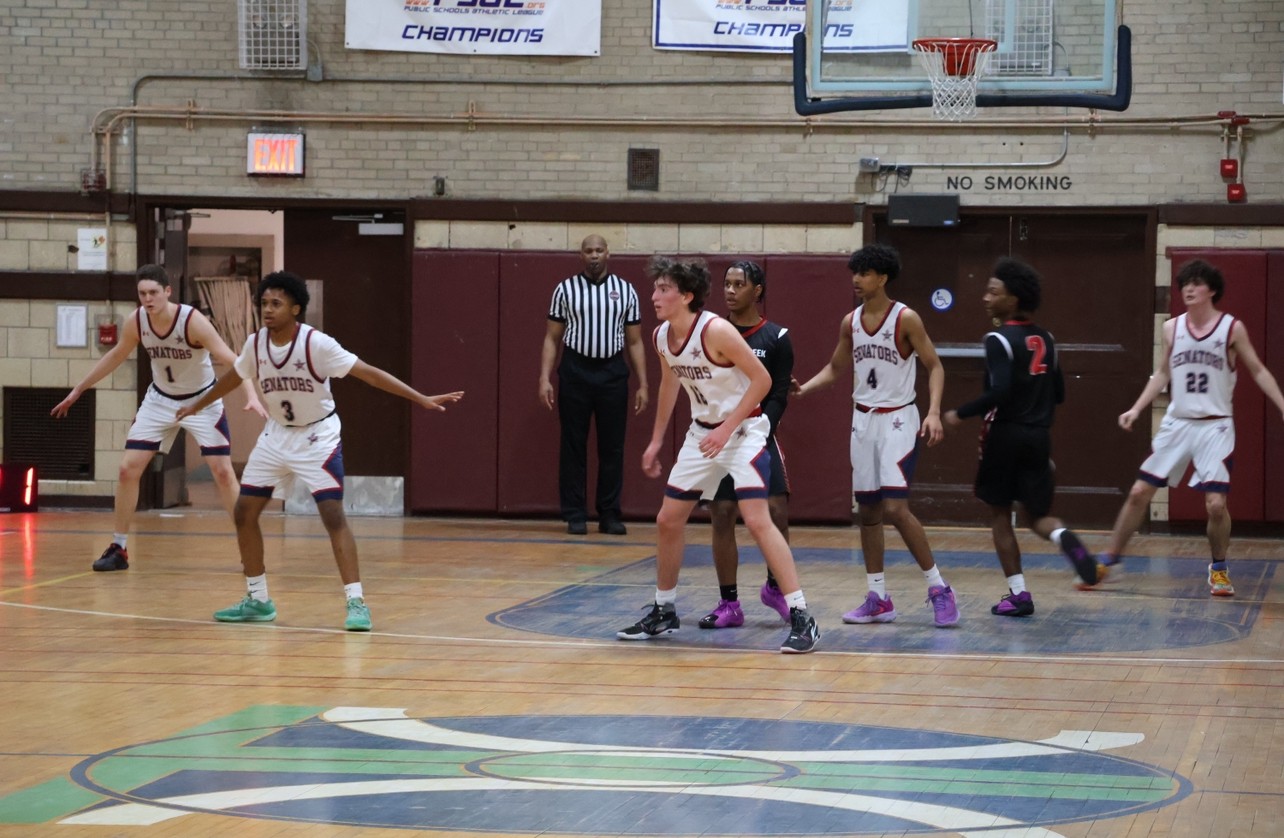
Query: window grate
x,y
1024,30
644,169
63,449
273,34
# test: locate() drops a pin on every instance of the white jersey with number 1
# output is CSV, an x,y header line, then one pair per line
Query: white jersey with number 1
x,y
178,368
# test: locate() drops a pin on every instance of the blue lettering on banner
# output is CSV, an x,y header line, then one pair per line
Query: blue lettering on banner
x,y
472,34
757,30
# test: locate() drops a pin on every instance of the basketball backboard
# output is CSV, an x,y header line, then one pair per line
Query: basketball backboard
x,y
856,54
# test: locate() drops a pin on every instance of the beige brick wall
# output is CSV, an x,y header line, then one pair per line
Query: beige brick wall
x,y
68,59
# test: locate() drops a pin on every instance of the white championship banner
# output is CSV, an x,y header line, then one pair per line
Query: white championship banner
x,y
770,25
476,27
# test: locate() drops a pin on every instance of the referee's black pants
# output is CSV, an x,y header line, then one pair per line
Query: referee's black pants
x,y
597,390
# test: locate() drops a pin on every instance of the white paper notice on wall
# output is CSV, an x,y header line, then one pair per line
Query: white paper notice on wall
x,y
73,325
91,254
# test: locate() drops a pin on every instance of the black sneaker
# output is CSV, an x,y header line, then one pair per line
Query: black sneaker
x,y
804,634
114,557
661,619
576,528
1085,564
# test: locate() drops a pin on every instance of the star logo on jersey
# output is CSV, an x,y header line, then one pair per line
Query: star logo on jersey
x,y
897,423
740,432
299,365
887,335
1219,343
695,352
312,438
178,339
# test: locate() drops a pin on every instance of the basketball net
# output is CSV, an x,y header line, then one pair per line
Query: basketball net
x,y
954,66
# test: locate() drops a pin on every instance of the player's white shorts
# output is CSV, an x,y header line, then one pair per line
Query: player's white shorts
x,y
312,454
884,451
745,458
155,425
1209,443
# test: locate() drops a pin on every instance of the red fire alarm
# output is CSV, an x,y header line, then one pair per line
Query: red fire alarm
x,y
107,334
1236,193
1230,168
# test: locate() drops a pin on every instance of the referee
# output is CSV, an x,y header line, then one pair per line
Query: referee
x,y
593,318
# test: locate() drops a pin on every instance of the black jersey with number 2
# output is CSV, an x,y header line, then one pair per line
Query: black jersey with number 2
x,y
1023,382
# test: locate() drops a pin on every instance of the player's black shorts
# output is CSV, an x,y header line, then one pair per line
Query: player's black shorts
x,y
777,485
1016,466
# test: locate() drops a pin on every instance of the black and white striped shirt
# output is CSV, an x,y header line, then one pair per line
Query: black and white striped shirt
x,y
594,314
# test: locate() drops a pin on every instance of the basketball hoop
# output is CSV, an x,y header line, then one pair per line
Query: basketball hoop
x,y
954,65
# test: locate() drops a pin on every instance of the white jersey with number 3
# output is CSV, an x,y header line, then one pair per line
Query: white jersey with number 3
x,y
1203,372
884,377
295,378
715,389
178,368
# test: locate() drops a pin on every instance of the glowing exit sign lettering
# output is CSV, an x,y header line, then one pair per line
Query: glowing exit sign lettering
x,y
274,154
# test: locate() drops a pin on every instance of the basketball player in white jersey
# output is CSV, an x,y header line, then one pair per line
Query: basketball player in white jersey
x,y
179,340
880,340
293,364
1203,350
726,383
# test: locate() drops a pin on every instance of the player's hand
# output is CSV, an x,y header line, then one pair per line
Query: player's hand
x,y
714,441
440,402
795,389
61,408
951,419
1127,418
256,407
640,400
184,411
932,430
546,394
651,461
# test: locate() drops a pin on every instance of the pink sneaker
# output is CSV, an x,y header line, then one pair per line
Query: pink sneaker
x,y
726,615
773,598
876,609
943,604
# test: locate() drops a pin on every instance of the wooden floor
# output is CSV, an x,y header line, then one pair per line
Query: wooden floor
x,y
492,697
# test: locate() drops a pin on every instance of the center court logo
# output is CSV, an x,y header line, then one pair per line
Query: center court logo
x,y
594,775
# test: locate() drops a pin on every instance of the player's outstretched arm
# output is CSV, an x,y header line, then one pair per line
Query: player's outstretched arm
x,y
114,358
839,363
226,384
1155,385
389,383
1247,356
200,328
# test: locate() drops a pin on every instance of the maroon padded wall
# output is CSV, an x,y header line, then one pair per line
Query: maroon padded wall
x,y
455,297
1270,347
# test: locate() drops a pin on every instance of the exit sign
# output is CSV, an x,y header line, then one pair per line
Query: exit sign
x,y
274,154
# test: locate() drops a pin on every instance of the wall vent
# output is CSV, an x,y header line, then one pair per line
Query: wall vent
x,y
273,34
63,449
644,169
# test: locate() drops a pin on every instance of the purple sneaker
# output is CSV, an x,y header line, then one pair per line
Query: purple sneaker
x,y
1014,605
726,615
942,599
773,598
876,609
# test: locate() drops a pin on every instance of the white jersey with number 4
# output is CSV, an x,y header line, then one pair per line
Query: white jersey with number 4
x,y
1203,373
715,389
295,378
178,368
884,377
